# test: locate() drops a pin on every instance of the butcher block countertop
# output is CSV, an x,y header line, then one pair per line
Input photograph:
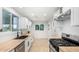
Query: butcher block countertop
x,y
10,45
69,49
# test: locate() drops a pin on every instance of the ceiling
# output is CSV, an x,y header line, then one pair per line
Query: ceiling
x,y
37,14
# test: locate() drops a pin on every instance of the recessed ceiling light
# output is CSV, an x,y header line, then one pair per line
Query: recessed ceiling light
x,y
20,7
45,14
32,14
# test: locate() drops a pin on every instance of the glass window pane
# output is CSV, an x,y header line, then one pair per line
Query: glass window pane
x,y
41,26
36,27
15,22
6,20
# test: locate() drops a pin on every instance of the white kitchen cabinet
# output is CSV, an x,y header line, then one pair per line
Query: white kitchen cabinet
x,y
75,16
22,23
28,43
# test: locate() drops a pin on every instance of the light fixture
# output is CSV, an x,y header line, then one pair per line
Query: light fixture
x,y
20,7
45,14
32,14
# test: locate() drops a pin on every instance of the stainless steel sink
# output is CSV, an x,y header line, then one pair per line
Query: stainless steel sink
x,y
21,37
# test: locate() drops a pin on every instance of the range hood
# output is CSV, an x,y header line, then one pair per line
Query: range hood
x,y
63,16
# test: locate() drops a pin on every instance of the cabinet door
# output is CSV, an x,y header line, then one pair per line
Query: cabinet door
x,y
26,44
75,16
22,23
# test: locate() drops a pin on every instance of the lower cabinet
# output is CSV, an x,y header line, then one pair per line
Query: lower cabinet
x,y
21,47
24,46
28,44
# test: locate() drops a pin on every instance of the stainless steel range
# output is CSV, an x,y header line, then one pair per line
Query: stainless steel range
x,y
55,43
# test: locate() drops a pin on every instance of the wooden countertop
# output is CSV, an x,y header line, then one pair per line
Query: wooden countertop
x,y
10,45
69,49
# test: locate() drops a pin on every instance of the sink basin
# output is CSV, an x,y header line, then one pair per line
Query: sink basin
x,y
21,37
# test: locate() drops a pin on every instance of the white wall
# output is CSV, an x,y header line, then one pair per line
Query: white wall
x,y
39,34
67,28
54,27
51,28
7,35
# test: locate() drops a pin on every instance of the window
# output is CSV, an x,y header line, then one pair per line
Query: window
x,y
15,22
6,20
36,27
41,26
10,21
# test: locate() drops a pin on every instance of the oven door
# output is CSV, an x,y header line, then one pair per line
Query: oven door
x,y
51,48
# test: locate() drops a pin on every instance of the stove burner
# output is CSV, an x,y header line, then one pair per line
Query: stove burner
x,y
61,42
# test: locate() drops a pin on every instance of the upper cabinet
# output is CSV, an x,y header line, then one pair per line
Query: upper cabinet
x,y
24,23
75,16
